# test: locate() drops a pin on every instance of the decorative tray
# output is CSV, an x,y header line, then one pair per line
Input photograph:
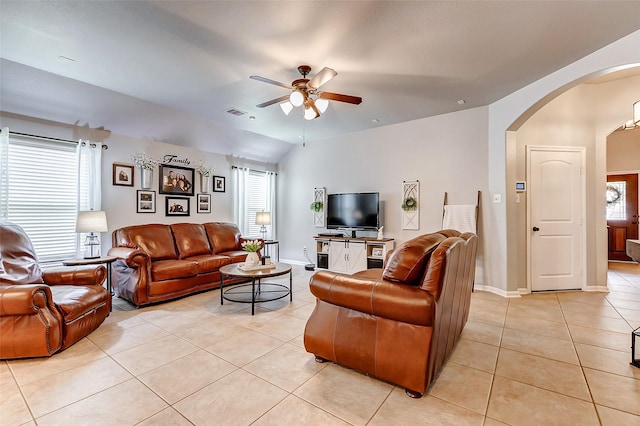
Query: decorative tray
x,y
256,267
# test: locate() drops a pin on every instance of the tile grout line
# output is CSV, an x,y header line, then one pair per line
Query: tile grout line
x,y
495,367
584,376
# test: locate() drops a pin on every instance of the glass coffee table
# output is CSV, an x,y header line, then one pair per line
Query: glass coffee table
x,y
256,291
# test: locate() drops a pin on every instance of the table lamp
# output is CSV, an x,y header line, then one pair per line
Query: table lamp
x,y
263,218
91,221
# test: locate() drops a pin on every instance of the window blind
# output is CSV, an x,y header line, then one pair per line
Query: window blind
x,y
256,200
42,194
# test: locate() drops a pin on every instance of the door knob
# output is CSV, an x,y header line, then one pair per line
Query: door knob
x,y
535,229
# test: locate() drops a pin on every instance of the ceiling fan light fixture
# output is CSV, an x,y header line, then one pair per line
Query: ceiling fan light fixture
x,y
309,114
286,107
322,105
296,98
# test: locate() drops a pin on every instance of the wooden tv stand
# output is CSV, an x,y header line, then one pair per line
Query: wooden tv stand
x,y
349,255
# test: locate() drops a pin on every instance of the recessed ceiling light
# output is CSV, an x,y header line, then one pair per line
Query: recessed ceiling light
x,y
66,58
252,117
461,102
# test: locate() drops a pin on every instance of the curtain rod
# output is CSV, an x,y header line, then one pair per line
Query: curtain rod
x,y
47,138
254,170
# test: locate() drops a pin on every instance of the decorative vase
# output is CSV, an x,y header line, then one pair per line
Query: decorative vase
x,y
252,260
147,179
204,183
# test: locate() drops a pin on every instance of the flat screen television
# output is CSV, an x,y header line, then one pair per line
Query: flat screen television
x,y
353,210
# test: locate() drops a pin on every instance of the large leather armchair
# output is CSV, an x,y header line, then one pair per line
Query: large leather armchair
x,y
44,312
399,323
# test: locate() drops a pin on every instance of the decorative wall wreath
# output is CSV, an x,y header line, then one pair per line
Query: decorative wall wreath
x,y
409,204
316,206
613,194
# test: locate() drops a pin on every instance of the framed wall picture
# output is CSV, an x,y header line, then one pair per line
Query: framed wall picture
x,y
176,180
218,184
123,174
376,252
146,201
204,203
177,206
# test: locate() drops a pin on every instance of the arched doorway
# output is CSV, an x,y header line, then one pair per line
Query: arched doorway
x,y
580,115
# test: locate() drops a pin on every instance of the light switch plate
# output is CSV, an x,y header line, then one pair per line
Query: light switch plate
x,y
497,198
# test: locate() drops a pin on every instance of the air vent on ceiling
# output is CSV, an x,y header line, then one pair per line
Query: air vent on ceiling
x,y
236,112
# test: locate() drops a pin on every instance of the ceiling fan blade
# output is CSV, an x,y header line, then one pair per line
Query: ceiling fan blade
x,y
321,78
273,101
340,98
268,80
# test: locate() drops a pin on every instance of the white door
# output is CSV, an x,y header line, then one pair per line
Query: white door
x,y
556,212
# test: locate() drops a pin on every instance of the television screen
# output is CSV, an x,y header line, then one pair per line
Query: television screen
x,y
355,210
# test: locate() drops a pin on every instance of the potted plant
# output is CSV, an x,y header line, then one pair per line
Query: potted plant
x,y
251,246
316,206
409,204
146,164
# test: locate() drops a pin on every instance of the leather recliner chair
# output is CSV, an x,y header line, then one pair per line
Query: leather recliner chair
x,y
43,312
399,324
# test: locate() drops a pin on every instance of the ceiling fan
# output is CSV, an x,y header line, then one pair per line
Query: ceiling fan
x,y
305,92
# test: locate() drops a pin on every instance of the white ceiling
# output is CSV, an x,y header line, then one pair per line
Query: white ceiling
x,y
170,70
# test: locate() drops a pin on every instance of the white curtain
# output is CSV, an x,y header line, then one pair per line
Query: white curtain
x,y
89,180
4,173
271,203
240,181
89,175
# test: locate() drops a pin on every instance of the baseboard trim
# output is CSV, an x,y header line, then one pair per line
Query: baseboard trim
x,y
293,262
596,288
497,291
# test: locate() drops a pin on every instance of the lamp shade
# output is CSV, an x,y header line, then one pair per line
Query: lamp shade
x,y
91,221
263,218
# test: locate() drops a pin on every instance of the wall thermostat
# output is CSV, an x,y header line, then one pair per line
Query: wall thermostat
x,y
521,186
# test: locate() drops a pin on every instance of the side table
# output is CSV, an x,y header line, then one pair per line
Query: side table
x,y
267,248
106,260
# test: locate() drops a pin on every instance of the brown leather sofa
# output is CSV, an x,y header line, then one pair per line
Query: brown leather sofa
x,y
43,312
399,323
158,262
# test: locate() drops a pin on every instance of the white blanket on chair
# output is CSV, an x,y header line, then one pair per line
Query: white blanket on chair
x,y
461,217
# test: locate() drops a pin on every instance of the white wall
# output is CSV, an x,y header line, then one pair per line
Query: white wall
x,y
445,153
623,151
120,201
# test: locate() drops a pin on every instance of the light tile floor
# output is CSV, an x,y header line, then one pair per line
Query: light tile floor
x,y
543,359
